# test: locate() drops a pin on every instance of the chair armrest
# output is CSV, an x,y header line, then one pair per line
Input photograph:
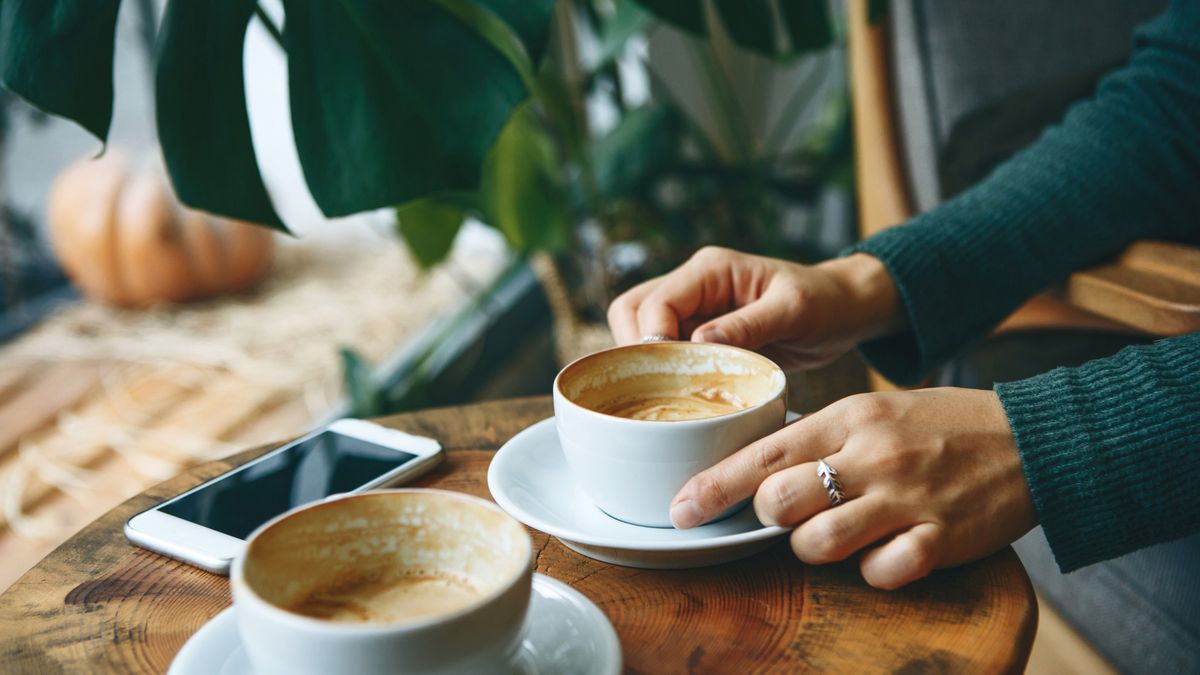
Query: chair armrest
x,y
1152,286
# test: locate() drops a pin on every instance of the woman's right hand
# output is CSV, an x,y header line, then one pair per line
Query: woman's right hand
x,y
799,315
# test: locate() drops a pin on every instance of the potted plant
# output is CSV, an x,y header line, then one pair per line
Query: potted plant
x,y
446,109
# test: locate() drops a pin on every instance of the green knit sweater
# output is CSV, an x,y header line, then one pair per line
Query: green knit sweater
x,y
1111,450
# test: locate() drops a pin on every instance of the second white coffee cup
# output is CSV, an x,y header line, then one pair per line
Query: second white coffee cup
x,y
329,587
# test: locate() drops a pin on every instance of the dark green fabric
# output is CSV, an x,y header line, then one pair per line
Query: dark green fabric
x,y
1122,166
1110,449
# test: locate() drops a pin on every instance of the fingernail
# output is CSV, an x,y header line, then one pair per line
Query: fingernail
x,y
686,514
712,335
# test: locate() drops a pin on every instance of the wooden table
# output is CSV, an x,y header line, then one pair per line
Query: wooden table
x,y
97,604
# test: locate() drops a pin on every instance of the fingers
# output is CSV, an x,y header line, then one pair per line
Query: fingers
x,y
759,323
837,533
622,313
790,496
672,304
664,306
738,476
679,296
909,556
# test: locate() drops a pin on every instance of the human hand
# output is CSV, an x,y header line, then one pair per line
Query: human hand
x,y
798,315
933,474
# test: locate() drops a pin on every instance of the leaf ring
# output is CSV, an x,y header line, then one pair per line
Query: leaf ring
x,y
829,479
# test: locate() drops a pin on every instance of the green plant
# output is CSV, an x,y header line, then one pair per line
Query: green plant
x,y
440,108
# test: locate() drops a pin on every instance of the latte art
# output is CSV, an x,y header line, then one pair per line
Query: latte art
x,y
388,598
697,403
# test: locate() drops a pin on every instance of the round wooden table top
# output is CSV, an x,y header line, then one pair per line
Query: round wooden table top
x,y
99,604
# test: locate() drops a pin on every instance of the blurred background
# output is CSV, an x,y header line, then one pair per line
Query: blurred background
x,y
138,337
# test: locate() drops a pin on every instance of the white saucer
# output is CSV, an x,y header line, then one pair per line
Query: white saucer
x,y
564,633
529,479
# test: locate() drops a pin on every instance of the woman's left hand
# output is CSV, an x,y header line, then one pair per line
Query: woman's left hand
x,y
932,475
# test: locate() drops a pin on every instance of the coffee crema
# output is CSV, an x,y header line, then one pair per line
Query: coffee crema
x,y
394,598
696,403
386,558
671,396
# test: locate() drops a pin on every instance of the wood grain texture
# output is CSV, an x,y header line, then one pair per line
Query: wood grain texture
x,y
1153,287
97,604
883,195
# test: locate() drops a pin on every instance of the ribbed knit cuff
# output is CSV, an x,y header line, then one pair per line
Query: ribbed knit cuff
x,y
911,255
1111,450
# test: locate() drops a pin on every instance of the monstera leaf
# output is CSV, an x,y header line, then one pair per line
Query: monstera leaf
x,y
59,56
390,101
395,100
201,109
804,25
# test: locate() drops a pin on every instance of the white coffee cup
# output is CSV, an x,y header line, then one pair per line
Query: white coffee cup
x,y
460,571
632,468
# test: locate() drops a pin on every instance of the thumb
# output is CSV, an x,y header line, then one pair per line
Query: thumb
x,y
758,323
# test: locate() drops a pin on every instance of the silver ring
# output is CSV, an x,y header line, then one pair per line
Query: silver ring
x,y
657,338
833,486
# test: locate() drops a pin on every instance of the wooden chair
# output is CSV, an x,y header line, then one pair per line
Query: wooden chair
x,y
1152,288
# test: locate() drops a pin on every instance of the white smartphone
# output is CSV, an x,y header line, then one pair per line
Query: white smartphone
x,y
207,526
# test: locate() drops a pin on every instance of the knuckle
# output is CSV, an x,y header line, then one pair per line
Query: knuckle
x,y
617,308
888,459
741,328
771,502
651,308
794,299
876,579
922,553
825,542
711,254
770,455
711,492
864,409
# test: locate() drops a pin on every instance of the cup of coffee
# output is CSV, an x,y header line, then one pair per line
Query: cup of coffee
x,y
388,581
636,422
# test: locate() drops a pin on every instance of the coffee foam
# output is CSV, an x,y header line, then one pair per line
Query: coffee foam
x,y
357,559
671,381
391,597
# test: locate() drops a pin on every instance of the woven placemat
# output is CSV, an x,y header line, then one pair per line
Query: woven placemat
x,y
278,342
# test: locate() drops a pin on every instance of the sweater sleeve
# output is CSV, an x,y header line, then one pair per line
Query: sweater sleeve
x,y
1122,166
1111,449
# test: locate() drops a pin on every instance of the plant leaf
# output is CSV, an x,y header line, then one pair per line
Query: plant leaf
x,y
203,125
429,226
59,57
366,398
646,140
807,23
523,193
392,101
750,24
489,26
685,14
628,20
529,19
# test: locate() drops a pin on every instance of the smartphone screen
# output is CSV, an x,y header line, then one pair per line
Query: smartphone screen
x,y
325,464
